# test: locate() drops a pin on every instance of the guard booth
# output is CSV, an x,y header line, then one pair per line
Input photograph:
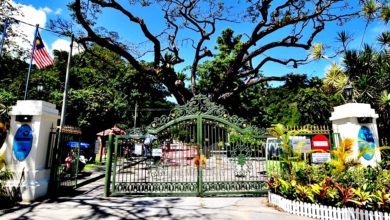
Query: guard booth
x,y
198,150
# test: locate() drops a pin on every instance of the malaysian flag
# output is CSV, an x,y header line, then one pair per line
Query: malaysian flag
x,y
41,56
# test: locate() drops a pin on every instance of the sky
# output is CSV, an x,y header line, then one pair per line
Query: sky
x,y
41,11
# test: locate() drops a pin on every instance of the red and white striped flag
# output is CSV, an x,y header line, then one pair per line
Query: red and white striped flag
x,y
41,57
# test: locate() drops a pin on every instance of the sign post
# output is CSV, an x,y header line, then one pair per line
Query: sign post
x,y
321,143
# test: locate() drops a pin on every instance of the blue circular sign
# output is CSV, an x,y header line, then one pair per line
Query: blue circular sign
x,y
366,141
22,142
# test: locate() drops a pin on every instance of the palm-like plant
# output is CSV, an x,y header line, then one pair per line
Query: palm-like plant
x,y
384,39
382,199
346,193
362,197
3,109
317,52
385,14
335,80
342,155
289,155
344,38
384,100
370,10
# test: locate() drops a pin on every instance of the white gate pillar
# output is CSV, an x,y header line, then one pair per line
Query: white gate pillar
x,y
358,122
26,147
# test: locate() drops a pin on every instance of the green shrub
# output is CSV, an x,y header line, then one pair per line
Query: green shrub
x,y
5,175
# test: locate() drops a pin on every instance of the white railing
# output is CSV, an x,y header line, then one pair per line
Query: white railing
x,y
325,212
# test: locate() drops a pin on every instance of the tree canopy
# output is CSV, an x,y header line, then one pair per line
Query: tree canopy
x,y
194,23
103,90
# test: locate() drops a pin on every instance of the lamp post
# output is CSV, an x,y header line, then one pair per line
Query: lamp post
x,y
348,92
40,90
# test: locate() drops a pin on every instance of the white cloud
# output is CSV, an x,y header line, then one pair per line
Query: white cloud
x,y
47,10
29,15
64,45
25,36
58,11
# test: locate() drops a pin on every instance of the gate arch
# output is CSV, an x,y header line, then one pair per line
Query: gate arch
x,y
199,149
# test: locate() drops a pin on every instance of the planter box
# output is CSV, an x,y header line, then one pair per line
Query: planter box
x,y
324,212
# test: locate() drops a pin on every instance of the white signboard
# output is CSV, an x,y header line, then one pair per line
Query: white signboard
x,y
320,144
320,157
300,143
138,149
157,152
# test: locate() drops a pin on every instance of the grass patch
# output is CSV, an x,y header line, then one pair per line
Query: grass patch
x,y
91,166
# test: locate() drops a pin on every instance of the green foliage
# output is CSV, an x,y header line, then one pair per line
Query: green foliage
x,y
368,71
314,106
289,104
288,155
103,89
304,193
381,200
213,72
6,99
5,174
287,188
382,180
248,137
298,102
362,197
343,182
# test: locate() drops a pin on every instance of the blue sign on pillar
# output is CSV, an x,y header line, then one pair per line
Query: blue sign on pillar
x,y
366,141
22,142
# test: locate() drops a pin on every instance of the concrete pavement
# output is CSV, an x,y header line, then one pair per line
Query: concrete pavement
x,y
89,203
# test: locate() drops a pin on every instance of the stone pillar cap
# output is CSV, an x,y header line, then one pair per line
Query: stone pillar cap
x,y
353,110
34,107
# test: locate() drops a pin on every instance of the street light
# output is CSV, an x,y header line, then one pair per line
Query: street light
x,y
348,91
40,89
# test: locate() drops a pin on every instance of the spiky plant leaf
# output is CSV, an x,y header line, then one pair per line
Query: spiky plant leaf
x,y
385,14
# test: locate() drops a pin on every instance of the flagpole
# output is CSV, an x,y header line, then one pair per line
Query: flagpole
x,y
4,36
63,109
32,56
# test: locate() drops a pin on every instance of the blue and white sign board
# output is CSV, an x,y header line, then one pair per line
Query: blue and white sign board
x,y
272,147
366,141
22,142
319,158
301,144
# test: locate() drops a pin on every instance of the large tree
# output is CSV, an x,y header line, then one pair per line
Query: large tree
x,y
8,11
103,89
274,25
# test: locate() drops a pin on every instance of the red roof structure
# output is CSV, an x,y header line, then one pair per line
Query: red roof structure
x,y
113,131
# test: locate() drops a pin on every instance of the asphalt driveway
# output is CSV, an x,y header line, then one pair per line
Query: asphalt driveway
x,y
89,203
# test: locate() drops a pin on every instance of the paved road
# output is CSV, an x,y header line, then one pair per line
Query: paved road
x,y
90,204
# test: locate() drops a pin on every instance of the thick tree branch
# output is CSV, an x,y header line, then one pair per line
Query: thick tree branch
x,y
92,36
157,47
249,84
301,20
